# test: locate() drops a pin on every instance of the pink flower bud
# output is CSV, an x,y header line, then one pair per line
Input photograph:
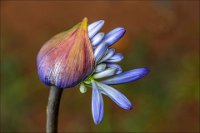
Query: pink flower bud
x,y
67,58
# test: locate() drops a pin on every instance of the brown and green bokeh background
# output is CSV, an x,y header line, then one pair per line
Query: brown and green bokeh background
x,y
161,35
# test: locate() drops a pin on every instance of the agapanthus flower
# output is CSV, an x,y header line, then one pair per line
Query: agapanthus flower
x,y
83,56
107,72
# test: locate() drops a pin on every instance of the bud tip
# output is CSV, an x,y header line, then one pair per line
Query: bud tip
x,y
84,23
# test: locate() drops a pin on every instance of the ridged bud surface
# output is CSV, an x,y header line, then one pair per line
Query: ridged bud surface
x,y
67,58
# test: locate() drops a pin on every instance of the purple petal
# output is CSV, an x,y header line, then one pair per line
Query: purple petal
x,y
114,35
116,96
119,69
94,28
116,58
109,54
97,39
106,73
128,76
100,67
100,51
97,104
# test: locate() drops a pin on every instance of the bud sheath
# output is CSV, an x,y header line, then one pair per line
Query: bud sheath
x,y
67,58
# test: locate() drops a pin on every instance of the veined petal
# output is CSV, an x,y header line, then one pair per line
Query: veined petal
x,y
128,76
97,39
67,58
116,96
94,28
100,67
106,73
114,35
115,58
97,104
109,54
100,51
119,69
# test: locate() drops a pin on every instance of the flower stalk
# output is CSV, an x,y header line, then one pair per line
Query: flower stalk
x,y
53,109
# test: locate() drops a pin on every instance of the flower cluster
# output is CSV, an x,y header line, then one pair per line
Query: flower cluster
x,y
106,66
83,55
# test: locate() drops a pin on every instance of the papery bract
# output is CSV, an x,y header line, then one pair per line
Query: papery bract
x,y
67,58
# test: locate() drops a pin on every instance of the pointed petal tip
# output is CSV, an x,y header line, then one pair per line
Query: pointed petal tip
x,y
84,23
97,24
94,28
114,35
101,21
122,29
146,70
122,32
85,19
97,122
130,107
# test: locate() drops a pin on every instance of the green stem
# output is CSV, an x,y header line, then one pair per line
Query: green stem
x,y
53,109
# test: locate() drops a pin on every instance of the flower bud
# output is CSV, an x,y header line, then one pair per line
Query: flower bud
x,y
67,58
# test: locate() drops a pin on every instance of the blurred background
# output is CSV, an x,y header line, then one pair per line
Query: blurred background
x,y
161,35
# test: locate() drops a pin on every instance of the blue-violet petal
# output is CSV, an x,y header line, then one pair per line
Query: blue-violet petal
x,y
97,39
114,35
97,104
112,65
116,96
100,67
127,76
94,28
109,54
115,58
106,73
100,51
